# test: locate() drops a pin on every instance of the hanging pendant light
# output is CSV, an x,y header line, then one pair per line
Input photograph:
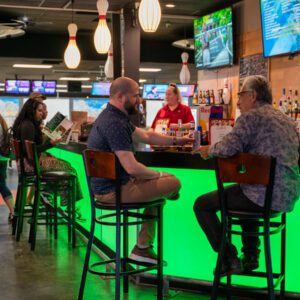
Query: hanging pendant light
x,y
109,65
102,36
72,54
149,15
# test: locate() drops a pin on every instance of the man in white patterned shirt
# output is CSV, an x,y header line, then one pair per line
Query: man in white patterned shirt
x,y
261,129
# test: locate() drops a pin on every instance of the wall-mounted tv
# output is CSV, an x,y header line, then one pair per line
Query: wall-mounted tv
x,y
186,90
100,88
46,87
280,26
154,91
19,87
213,38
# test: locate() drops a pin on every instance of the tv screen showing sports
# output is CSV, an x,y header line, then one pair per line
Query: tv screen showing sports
x,y
154,91
186,90
280,26
13,86
101,88
214,39
46,87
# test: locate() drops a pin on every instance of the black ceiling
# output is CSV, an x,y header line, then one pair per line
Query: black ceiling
x,y
46,34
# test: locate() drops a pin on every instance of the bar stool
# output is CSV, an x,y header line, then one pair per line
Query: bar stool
x,y
25,180
53,180
106,165
251,169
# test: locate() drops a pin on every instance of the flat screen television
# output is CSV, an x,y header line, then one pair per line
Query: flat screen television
x,y
46,87
154,91
100,88
186,90
18,87
213,38
280,22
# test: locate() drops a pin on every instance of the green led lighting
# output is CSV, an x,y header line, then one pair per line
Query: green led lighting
x,y
186,248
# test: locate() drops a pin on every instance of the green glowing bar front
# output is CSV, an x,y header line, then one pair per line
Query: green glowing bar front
x,y
186,248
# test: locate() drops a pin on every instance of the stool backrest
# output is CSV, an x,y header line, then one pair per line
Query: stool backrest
x,y
19,156
32,156
101,164
248,169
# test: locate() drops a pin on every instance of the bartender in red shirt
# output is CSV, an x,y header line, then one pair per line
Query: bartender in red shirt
x,y
173,111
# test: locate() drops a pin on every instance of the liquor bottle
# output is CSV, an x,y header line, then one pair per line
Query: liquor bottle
x,y
212,97
284,101
200,97
207,98
296,104
221,96
290,104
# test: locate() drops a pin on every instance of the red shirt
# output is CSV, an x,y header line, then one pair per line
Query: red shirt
x,y
166,115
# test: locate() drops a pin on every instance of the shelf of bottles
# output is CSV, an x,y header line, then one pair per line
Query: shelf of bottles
x,y
207,97
290,104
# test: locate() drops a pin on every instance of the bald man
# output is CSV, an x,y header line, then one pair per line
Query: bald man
x,y
114,132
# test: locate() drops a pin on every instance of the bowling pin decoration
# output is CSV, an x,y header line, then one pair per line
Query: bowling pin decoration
x,y
72,54
184,75
226,92
109,65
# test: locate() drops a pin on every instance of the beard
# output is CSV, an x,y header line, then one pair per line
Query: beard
x,y
130,108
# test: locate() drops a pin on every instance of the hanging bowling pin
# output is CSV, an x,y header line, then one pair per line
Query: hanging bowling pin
x,y
109,65
72,54
184,75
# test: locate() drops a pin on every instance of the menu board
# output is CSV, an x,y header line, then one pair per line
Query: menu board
x,y
280,26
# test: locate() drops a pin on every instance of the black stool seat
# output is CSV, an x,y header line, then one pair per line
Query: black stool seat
x,y
135,205
251,215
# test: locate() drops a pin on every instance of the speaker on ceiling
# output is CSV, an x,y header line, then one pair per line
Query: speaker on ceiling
x,y
74,86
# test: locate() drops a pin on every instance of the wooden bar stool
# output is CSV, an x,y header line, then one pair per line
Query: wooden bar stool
x,y
51,180
106,165
251,169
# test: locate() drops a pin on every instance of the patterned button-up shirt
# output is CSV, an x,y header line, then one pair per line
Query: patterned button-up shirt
x,y
267,131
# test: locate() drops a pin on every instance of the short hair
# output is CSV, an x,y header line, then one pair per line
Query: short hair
x,y
261,86
176,90
123,85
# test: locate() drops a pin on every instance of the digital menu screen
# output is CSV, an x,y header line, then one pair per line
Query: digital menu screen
x,y
47,87
280,26
101,88
13,86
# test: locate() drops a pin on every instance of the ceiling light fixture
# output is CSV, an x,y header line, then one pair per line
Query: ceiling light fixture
x,y
102,36
170,5
149,15
142,80
32,66
149,69
75,78
72,54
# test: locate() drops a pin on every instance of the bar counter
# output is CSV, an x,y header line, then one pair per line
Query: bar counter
x,y
190,259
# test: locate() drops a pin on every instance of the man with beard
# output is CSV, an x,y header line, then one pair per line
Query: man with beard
x,y
113,132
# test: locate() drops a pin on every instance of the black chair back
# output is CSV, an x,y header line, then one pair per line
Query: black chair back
x,y
248,169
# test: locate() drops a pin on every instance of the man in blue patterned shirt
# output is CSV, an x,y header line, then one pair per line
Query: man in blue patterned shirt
x,y
261,129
